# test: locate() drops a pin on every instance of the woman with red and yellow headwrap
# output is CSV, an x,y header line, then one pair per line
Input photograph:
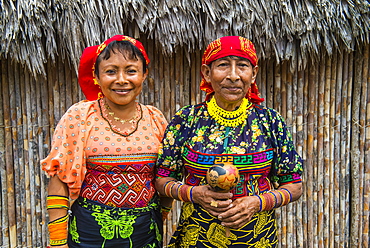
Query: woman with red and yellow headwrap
x,y
103,155
229,130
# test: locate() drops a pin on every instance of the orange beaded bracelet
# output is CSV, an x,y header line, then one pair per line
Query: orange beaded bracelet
x,y
269,201
57,201
58,230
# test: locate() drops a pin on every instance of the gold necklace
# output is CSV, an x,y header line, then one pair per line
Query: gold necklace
x,y
103,106
228,118
123,121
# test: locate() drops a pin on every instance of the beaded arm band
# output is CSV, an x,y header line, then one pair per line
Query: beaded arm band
x,y
269,200
58,228
57,201
183,192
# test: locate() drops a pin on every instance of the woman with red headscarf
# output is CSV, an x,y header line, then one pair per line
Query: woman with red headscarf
x,y
229,128
103,155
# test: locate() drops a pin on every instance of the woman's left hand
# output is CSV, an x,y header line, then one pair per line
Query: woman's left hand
x,y
240,213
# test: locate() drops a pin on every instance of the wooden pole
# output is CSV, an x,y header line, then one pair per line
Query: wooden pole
x,y
24,161
151,77
10,186
366,212
338,187
276,97
307,132
326,154
332,170
299,205
320,152
144,96
307,195
344,155
43,149
178,80
198,63
16,110
68,87
348,147
193,86
290,208
270,84
355,156
276,103
261,79
4,167
366,209
364,220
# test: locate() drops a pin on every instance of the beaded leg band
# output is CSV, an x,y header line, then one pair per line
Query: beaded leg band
x,y
274,199
58,228
179,191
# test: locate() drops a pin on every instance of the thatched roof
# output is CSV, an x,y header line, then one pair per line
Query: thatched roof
x,y
30,30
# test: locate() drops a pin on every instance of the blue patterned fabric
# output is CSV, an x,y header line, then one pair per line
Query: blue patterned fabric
x,y
262,150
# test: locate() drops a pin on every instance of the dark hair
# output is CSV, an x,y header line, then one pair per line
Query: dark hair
x,y
219,169
126,48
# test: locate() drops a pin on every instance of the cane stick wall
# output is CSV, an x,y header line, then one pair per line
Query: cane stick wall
x,y
326,106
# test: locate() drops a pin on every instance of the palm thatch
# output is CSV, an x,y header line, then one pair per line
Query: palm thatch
x,y
33,32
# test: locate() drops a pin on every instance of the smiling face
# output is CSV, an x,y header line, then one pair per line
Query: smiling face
x,y
120,78
230,78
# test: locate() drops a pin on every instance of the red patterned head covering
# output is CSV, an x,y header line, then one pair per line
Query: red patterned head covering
x,y
86,78
231,46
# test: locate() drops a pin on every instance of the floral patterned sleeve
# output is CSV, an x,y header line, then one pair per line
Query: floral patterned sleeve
x,y
169,163
288,166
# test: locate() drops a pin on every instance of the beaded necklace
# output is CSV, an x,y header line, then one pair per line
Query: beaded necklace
x,y
104,107
228,118
131,120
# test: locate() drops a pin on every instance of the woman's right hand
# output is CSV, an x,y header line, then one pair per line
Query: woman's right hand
x,y
214,202
59,246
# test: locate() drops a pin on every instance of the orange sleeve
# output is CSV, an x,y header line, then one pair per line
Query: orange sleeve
x,y
67,157
159,120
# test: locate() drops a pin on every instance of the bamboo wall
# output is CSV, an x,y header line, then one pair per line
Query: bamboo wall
x,y
326,106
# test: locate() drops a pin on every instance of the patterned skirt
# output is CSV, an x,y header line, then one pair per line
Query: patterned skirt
x,y
199,229
95,225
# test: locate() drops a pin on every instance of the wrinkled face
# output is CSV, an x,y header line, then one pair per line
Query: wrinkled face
x,y
231,78
121,79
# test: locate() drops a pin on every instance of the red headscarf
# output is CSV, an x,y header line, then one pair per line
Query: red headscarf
x,y
86,78
231,46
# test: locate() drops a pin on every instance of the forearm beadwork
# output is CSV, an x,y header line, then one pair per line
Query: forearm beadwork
x,y
274,199
179,191
58,228
57,201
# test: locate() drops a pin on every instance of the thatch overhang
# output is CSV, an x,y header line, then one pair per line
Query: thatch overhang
x,y
32,32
